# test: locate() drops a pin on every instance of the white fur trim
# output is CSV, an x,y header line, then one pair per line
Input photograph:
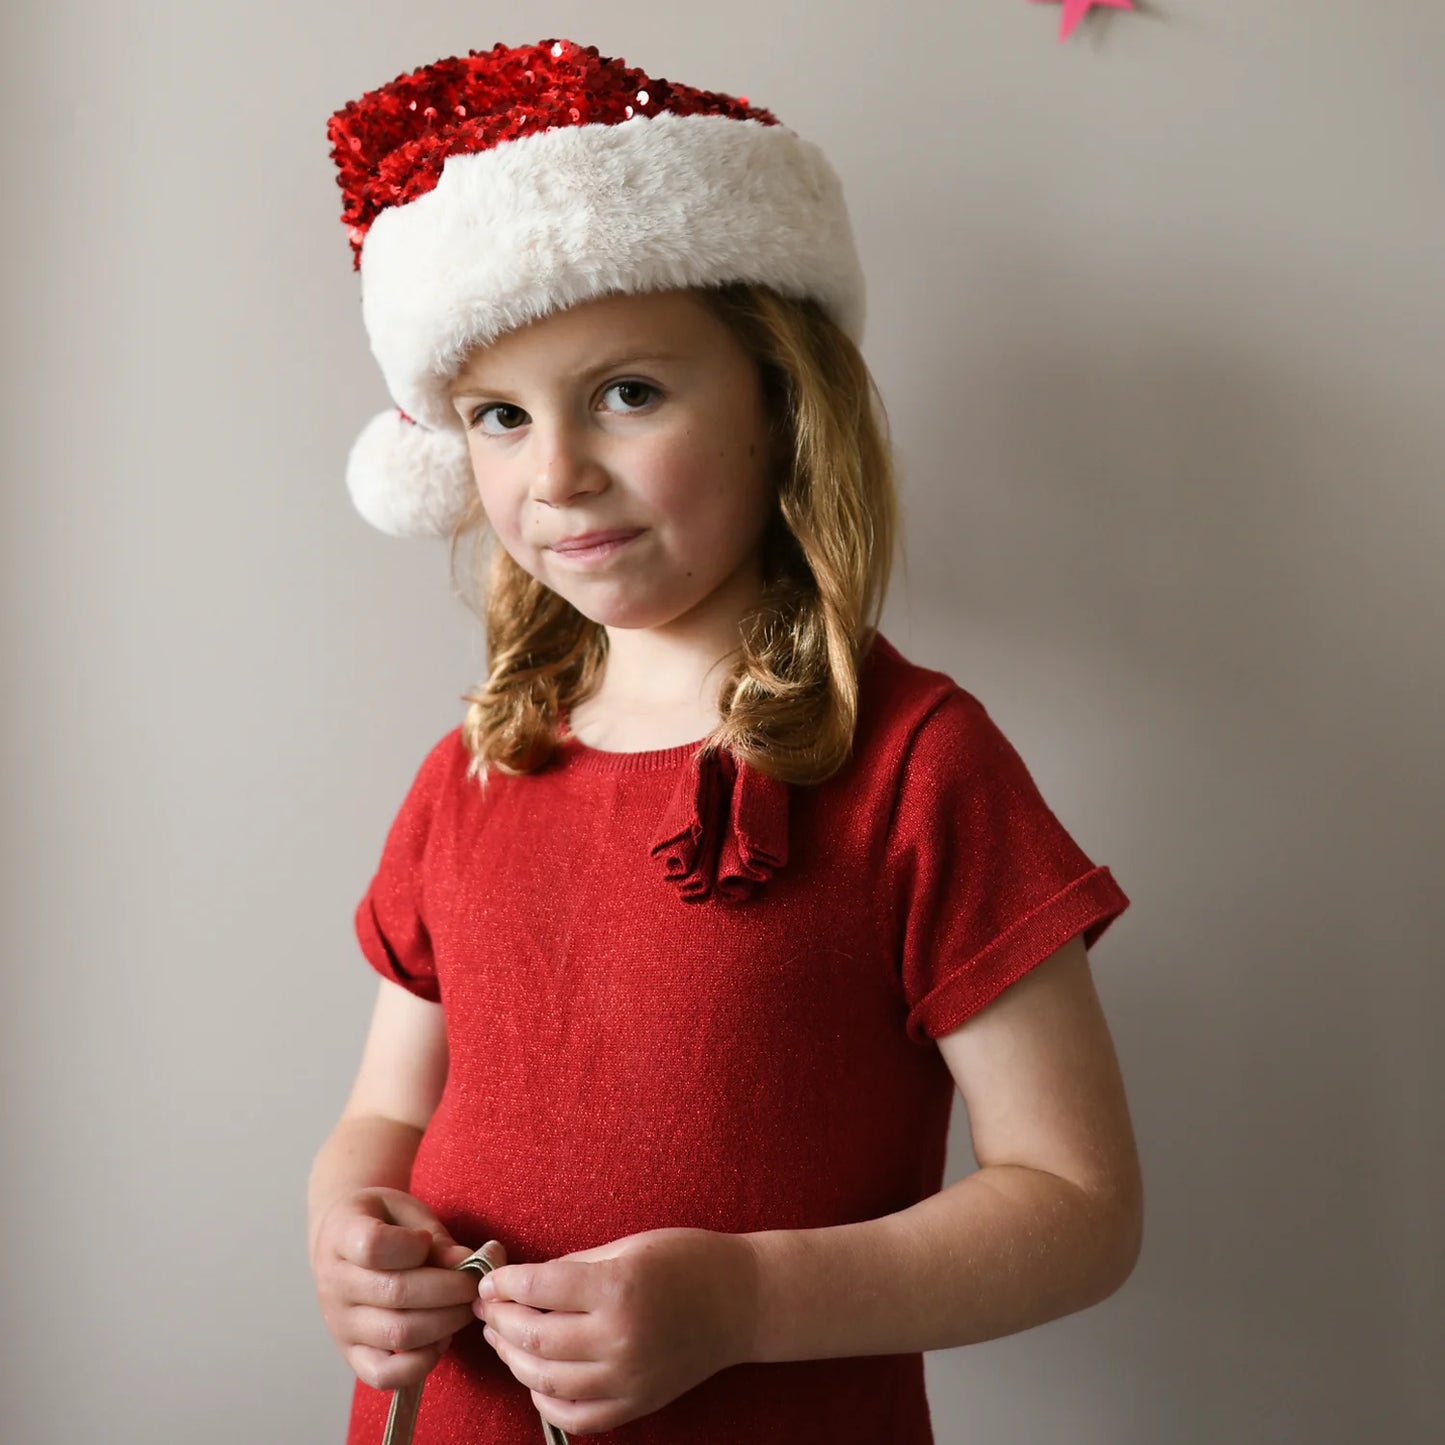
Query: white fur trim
x,y
406,479
551,219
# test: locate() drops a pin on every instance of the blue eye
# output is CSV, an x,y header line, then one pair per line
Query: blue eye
x,y
481,411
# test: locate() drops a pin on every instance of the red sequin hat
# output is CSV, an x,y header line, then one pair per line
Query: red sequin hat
x,y
484,192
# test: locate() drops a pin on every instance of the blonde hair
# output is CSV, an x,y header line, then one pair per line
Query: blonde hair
x,y
789,701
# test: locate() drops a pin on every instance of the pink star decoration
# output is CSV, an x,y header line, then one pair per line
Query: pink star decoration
x,y
1076,10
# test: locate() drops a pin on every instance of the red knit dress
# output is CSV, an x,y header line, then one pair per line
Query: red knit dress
x,y
685,994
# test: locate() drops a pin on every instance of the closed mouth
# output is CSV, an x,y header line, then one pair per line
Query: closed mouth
x,y
593,539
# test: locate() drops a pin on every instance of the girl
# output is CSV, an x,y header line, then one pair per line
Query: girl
x,y
689,929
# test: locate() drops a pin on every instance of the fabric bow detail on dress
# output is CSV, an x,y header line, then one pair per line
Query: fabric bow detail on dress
x,y
724,831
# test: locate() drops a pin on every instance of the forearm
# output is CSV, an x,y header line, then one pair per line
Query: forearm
x,y
1002,1250
362,1150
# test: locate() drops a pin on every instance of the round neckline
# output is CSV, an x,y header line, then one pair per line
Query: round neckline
x,y
584,758
587,759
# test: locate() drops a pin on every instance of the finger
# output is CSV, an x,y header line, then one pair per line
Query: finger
x,y
408,1216
563,1379
385,1370
554,1284
495,1253
583,1417
481,1262
448,1254
372,1243
402,1330
558,1335
610,1250
404,1289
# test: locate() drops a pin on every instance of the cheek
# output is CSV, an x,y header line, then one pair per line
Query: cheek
x,y
500,513
721,492
503,522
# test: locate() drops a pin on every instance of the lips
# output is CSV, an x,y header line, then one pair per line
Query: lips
x,y
586,540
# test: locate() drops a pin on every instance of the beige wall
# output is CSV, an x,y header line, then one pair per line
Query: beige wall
x,y
1158,318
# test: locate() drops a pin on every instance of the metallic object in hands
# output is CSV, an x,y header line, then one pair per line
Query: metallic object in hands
x,y
406,1400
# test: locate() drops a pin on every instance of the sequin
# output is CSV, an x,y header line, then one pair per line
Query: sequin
x,y
389,146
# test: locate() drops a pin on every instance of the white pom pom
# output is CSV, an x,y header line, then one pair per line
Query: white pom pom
x,y
409,480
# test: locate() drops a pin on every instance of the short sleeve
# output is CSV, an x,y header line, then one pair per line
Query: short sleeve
x,y
986,882
390,920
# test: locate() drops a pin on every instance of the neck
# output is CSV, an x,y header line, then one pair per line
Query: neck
x,y
678,667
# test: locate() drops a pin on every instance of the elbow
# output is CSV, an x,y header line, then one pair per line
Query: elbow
x,y
1125,1233
1115,1211
1128,1259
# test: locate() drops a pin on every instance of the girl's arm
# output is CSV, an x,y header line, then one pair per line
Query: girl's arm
x,y
397,1088
385,1267
362,1151
1049,1224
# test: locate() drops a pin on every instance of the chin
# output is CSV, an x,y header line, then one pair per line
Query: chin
x,y
628,615
626,619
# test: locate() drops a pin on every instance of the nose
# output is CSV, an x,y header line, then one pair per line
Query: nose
x,y
565,465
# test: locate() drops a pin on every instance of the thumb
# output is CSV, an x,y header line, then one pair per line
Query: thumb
x,y
446,1253
495,1254
420,1221
449,1254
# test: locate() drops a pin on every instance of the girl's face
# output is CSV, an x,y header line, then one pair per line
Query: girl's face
x,y
636,416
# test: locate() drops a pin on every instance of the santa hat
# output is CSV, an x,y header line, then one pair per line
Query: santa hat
x,y
487,191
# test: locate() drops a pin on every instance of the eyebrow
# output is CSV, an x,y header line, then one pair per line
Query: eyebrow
x,y
460,389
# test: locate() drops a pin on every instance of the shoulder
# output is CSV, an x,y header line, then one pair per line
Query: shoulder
x,y
444,762
936,757
922,743
906,708
449,753
439,773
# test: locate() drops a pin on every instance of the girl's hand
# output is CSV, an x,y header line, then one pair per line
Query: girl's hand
x,y
390,1292
632,1324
